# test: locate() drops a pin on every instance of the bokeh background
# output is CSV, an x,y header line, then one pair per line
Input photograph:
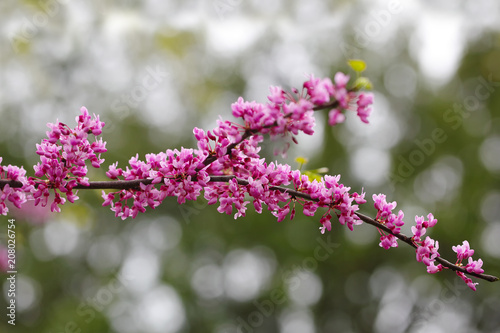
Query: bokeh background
x,y
155,69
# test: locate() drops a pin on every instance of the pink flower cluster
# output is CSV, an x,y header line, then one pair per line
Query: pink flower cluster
x,y
287,114
427,250
464,252
387,218
284,115
62,164
363,103
331,194
17,196
62,159
323,91
176,171
261,186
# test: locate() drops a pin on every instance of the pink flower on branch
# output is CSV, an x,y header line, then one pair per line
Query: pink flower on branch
x,y
473,266
335,116
227,169
16,196
388,241
467,280
62,159
386,217
463,251
364,102
62,164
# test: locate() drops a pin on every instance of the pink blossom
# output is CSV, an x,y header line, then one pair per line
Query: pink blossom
x,y
17,196
474,266
277,96
384,209
388,241
365,99
62,159
463,251
432,268
363,110
467,280
431,221
385,215
341,79
421,226
335,116
418,231
326,223
427,252
113,173
319,90
282,212
359,198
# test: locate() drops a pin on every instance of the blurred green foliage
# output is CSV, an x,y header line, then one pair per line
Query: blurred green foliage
x,y
96,56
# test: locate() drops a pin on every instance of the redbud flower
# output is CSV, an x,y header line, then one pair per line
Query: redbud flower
x,y
388,241
364,101
463,251
474,266
335,116
385,215
17,196
432,268
62,159
319,90
326,223
467,280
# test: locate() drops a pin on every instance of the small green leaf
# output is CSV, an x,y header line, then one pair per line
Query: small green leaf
x,y
312,175
363,83
357,65
301,160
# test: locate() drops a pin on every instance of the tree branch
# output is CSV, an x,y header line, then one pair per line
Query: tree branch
x,y
135,185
